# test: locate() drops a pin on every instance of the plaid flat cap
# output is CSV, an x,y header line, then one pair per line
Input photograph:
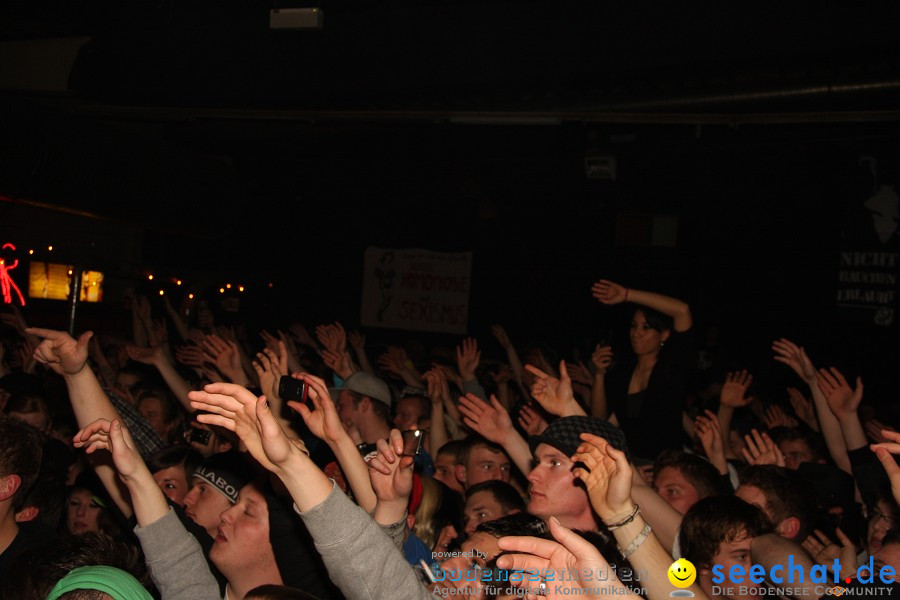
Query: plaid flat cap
x,y
563,434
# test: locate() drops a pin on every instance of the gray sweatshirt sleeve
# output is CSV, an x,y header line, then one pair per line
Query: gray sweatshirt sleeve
x,y
397,532
362,561
177,565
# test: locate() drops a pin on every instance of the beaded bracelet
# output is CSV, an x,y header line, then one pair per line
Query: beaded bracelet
x,y
626,520
637,541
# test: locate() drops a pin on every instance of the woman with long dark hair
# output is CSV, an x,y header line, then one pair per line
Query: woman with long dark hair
x,y
644,394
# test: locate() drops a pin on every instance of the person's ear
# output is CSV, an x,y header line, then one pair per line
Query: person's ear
x,y
789,528
664,335
365,405
461,474
410,521
29,513
9,485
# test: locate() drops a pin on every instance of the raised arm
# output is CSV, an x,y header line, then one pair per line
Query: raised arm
x,y
609,292
794,356
512,356
357,341
570,554
68,357
325,423
885,451
608,479
733,396
844,403
270,367
391,475
171,552
157,357
555,395
494,423
176,319
438,392
362,560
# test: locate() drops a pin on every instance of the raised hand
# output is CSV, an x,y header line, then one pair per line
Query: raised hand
x,y
709,432
302,335
190,355
450,375
437,389
225,356
324,422
761,450
602,358
236,408
874,431
555,395
607,478
570,553
490,420
339,362
531,421
579,373
776,417
146,356
885,452
390,472
803,407
503,375
105,435
357,340
467,358
268,339
734,390
332,337
795,357
609,292
196,336
824,551
269,367
59,351
498,332
158,330
392,362
842,400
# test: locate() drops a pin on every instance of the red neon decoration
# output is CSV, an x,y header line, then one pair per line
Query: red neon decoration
x,y
6,281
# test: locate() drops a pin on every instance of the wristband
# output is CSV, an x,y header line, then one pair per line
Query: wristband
x,y
637,541
628,518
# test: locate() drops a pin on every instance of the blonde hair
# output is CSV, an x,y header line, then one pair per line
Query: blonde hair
x,y
431,502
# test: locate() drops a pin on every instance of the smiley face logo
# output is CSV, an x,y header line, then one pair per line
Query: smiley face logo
x,y
682,573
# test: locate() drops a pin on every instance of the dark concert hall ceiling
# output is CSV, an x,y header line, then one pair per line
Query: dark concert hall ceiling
x,y
199,93
563,57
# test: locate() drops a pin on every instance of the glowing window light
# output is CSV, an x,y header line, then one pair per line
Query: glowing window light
x,y
91,286
49,281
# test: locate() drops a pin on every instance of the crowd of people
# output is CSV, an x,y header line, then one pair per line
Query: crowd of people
x,y
189,460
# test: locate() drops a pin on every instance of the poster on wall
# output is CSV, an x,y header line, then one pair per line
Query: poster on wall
x,y
416,289
869,261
